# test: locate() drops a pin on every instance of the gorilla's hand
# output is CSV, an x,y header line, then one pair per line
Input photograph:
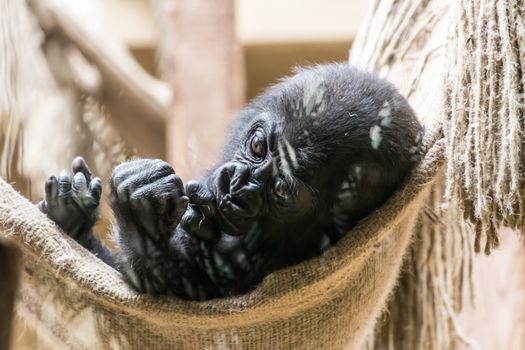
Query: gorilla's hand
x,y
148,198
72,202
197,219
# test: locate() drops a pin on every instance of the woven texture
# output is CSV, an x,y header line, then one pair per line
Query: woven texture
x,y
484,110
330,302
435,52
408,42
72,300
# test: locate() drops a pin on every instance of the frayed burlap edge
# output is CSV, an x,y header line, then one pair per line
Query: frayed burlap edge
x,y
408,42
484,108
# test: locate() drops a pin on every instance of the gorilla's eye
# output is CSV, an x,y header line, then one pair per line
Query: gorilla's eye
x,y
281,189
258,145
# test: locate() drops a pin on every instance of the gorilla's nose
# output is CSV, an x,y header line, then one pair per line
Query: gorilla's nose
x,y
239,176
239,193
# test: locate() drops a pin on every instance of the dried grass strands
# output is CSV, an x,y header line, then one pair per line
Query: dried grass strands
x,y
484,107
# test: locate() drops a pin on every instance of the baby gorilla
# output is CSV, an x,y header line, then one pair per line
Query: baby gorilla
x,y
304,163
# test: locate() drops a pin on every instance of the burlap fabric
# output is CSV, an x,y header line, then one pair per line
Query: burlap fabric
x,y
457,61
72,300
331,302
464,63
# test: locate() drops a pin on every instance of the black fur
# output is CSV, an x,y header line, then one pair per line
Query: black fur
x,y
304,163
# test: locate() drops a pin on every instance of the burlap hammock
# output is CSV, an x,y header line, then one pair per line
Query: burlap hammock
x,y
334,301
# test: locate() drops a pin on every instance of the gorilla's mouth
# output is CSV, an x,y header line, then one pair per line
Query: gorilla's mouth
x,y
227,224
235,215
232,215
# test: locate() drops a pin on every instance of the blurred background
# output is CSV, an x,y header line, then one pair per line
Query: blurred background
x,y
114,79
273,35
267,40
150,78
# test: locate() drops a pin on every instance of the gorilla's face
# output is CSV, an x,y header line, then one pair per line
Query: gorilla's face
x,y
261,179
322,148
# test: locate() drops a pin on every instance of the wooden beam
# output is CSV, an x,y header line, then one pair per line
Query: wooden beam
x,y
137,102
202,62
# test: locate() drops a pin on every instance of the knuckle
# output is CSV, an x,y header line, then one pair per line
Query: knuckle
x,y
118,169
124,167
119,178
158,165
178,181
170,179
173,183
192,186
122,189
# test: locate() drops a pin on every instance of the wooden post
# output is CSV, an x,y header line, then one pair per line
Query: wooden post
x,y
9,272
200,59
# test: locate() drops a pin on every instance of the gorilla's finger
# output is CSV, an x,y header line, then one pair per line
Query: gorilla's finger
x,y
191,220
195,223
131,165
164,188
201,195
79,183
136,171
51,191
157,169
125,170
64,184
80,165
141,181
181,206
95,187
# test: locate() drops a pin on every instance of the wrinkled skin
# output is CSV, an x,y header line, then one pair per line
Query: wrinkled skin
x,y
305,161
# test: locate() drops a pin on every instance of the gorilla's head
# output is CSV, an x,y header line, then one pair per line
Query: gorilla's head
x,y
329,142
